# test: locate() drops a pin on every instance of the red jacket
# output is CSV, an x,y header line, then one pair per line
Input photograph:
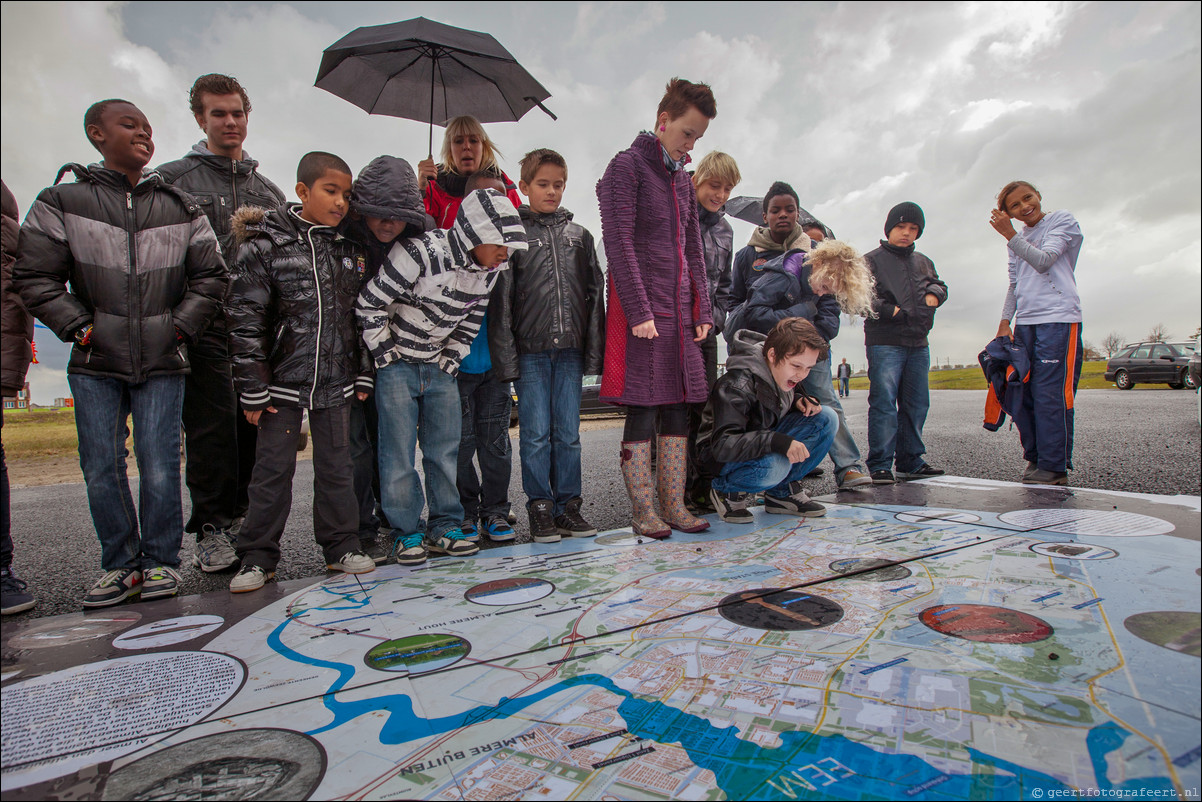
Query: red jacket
x,y
444,194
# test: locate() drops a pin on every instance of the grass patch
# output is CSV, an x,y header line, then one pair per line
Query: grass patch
x,y
1092,374
39,433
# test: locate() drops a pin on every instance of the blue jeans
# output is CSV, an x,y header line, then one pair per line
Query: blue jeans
x,y
898,400
844,453
772,472
418,402
1045,424
102,410
549,415
486,405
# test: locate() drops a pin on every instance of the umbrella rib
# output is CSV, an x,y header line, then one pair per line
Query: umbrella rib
x,y
470,68
384,83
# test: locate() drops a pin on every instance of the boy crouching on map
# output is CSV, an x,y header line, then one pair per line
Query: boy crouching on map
x,y
760,431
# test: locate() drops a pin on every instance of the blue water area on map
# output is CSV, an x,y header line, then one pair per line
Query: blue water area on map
x,y
805,765
730,573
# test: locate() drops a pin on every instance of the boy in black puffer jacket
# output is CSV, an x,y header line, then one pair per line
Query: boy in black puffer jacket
x,y
908,292
296,345
555,320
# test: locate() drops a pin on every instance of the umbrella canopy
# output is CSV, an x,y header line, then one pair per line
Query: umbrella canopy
x,y
426,71
751,210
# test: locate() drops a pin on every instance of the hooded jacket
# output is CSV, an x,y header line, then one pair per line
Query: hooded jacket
x,y
221,186
761,249
16,324
293,338
718,247
142,264
656,273
387,188
783,291
1007,369
429,298
746,405
553,295
903,278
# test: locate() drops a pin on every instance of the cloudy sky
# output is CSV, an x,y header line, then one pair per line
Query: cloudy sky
x,y
858,105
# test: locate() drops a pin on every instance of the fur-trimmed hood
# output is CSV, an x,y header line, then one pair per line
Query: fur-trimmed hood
x,y
247,221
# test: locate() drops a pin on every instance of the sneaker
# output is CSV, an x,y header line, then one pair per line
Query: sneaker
x,y
1041,477
497,528
214,550
470,531
796,503
452,543
250,577
814,474
883,477
236,526
732,507
14,594
854,478
410,550
542,523
1030,469
353,562
160,582
373,549
923,472
572,523
114,588
512,517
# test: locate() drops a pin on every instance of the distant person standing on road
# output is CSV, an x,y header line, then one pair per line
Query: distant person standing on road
x,y
1043,303
659,303
844,373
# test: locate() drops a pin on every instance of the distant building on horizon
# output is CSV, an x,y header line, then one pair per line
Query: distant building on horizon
x,y
21,401
63,403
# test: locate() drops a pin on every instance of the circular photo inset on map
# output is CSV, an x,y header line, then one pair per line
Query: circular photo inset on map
x,y
1084,523
1172,629
985,623
885,574
243,764
516,590
165,633
73,628
779,610
417,654
621,539
1073,551
937,516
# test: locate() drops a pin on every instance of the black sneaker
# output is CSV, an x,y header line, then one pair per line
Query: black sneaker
x,y
883,477
814,474
542,523
924,472
373,549
572,523
14,593
1041,477
114,587
732,507
796,503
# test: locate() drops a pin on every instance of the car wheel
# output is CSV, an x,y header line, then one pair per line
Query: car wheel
x,y
303,442
1187,380
1123,380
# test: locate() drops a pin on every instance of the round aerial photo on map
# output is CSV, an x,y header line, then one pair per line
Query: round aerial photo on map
x,y
515,590
984,623
885,574
243,764
1073,551
62,630
417,654
1172,629
1086,523
932,516
779,610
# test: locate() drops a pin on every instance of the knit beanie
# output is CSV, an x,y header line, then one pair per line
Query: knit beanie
x,y
387,188
906,212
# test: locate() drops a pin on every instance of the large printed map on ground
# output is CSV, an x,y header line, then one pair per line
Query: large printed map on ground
x,y
877,652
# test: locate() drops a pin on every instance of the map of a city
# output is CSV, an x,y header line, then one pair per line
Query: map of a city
x,y
885,650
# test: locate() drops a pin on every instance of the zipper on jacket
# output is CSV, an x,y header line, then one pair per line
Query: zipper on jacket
x,y
558,282
317,287
135,296
234,182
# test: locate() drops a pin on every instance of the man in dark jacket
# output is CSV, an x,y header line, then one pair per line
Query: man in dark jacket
x,y
146,277
220,443
761,432
908,292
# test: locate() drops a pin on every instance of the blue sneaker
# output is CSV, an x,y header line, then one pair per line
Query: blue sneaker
x,y
410,550
470,531
452,543
497,527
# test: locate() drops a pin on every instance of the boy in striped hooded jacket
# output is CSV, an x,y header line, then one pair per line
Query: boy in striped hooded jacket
x,y
419,315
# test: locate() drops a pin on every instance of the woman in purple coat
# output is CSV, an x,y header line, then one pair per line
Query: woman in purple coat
x,y
659,309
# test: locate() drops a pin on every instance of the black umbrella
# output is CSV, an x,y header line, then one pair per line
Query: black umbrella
x,y
751,210
426,71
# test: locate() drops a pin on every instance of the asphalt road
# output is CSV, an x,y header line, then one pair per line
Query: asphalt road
x,y
1140,442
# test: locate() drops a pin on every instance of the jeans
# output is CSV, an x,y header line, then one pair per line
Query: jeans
x,y
418,402
844,388
102,410
1045,423
486,405
772,472
898,400
844,454
549,415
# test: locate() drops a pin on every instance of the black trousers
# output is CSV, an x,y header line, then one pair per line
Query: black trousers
x,y
335,513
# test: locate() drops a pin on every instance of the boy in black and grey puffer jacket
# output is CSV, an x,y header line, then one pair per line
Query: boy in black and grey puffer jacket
x,y
295,346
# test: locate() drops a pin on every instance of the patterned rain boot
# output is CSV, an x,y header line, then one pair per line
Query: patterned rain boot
x,y
636,470
670,467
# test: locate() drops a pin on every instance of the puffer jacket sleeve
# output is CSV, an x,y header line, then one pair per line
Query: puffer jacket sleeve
x,y
502,347
826,316
44,266
768,303
617,192
696,262
207,281
594,299
733,440
17,323
248,305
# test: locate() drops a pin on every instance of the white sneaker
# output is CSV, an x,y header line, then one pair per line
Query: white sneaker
x,y
353,562
214,551
251,577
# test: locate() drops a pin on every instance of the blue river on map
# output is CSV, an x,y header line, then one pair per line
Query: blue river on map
x,y
744,770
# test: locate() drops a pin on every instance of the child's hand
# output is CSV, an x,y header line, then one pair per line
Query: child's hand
x,y
425,171
1004,330
361,395
930,299
252,416
1001,224
807,407
703,331
798,452
645,331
